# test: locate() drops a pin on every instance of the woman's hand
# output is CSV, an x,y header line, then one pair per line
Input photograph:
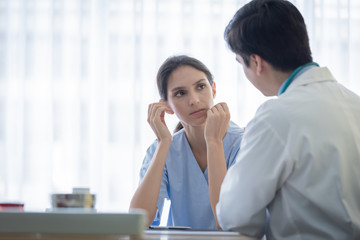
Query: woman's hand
x,y
156,119
217,122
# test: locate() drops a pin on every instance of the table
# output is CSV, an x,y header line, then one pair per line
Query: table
x,y
148,235
74,226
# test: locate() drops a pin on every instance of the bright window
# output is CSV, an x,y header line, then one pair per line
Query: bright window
x,y
76,77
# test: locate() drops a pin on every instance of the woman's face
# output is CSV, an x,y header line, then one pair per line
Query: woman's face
x,y
190,95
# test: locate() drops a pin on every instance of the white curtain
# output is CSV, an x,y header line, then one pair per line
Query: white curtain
x,y
76,77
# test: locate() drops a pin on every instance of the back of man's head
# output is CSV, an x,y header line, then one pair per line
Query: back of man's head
x,y
272,29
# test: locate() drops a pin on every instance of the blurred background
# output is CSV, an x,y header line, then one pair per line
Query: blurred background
x,y
76,78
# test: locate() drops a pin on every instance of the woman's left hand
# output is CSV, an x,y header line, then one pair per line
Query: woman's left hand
x,y
217,122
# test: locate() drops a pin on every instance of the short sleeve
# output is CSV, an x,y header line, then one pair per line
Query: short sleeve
x,y
232,143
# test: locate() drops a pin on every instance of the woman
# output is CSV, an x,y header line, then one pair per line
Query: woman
x,y
189,166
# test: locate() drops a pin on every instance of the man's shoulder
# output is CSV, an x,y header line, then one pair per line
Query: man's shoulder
x,y
271,108
274,114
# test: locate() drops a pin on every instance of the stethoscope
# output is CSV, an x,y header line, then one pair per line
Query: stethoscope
x,y
286,84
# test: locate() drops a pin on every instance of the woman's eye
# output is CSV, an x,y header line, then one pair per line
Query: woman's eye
x,y
179,93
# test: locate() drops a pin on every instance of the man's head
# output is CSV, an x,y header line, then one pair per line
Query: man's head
x,y
273,29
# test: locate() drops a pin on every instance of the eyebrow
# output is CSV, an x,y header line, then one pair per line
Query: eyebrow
x,y
195,83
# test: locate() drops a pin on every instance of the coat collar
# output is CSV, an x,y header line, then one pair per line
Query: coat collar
x,y
312,75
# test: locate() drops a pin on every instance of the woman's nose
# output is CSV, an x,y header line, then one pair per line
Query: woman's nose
x,y
193,98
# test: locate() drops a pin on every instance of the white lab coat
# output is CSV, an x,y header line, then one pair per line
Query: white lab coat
x,y
300,159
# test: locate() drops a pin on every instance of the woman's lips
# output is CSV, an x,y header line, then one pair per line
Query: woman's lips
x,y
198,112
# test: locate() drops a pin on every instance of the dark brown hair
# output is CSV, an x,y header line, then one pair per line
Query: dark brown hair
x,y
273,29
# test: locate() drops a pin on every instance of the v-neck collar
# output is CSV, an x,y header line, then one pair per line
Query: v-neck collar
x,y
193,160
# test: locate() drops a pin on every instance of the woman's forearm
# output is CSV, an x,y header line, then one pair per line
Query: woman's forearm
x,y
147,193
216,172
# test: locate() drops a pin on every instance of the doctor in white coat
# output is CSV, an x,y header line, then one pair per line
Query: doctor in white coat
x,y
300,154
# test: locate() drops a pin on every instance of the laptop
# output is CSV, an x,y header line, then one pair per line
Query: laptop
x,y
85,223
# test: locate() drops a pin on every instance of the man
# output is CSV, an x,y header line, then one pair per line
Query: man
x,y
300,155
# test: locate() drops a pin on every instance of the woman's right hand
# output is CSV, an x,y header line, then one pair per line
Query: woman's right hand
x,y
156,119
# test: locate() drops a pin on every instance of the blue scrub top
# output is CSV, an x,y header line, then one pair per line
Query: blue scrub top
x,y
185,184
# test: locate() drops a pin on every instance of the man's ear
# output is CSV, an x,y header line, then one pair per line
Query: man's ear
x,y
214,89
259,63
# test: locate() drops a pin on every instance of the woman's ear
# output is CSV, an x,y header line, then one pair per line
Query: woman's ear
x,y
214,89
169,110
